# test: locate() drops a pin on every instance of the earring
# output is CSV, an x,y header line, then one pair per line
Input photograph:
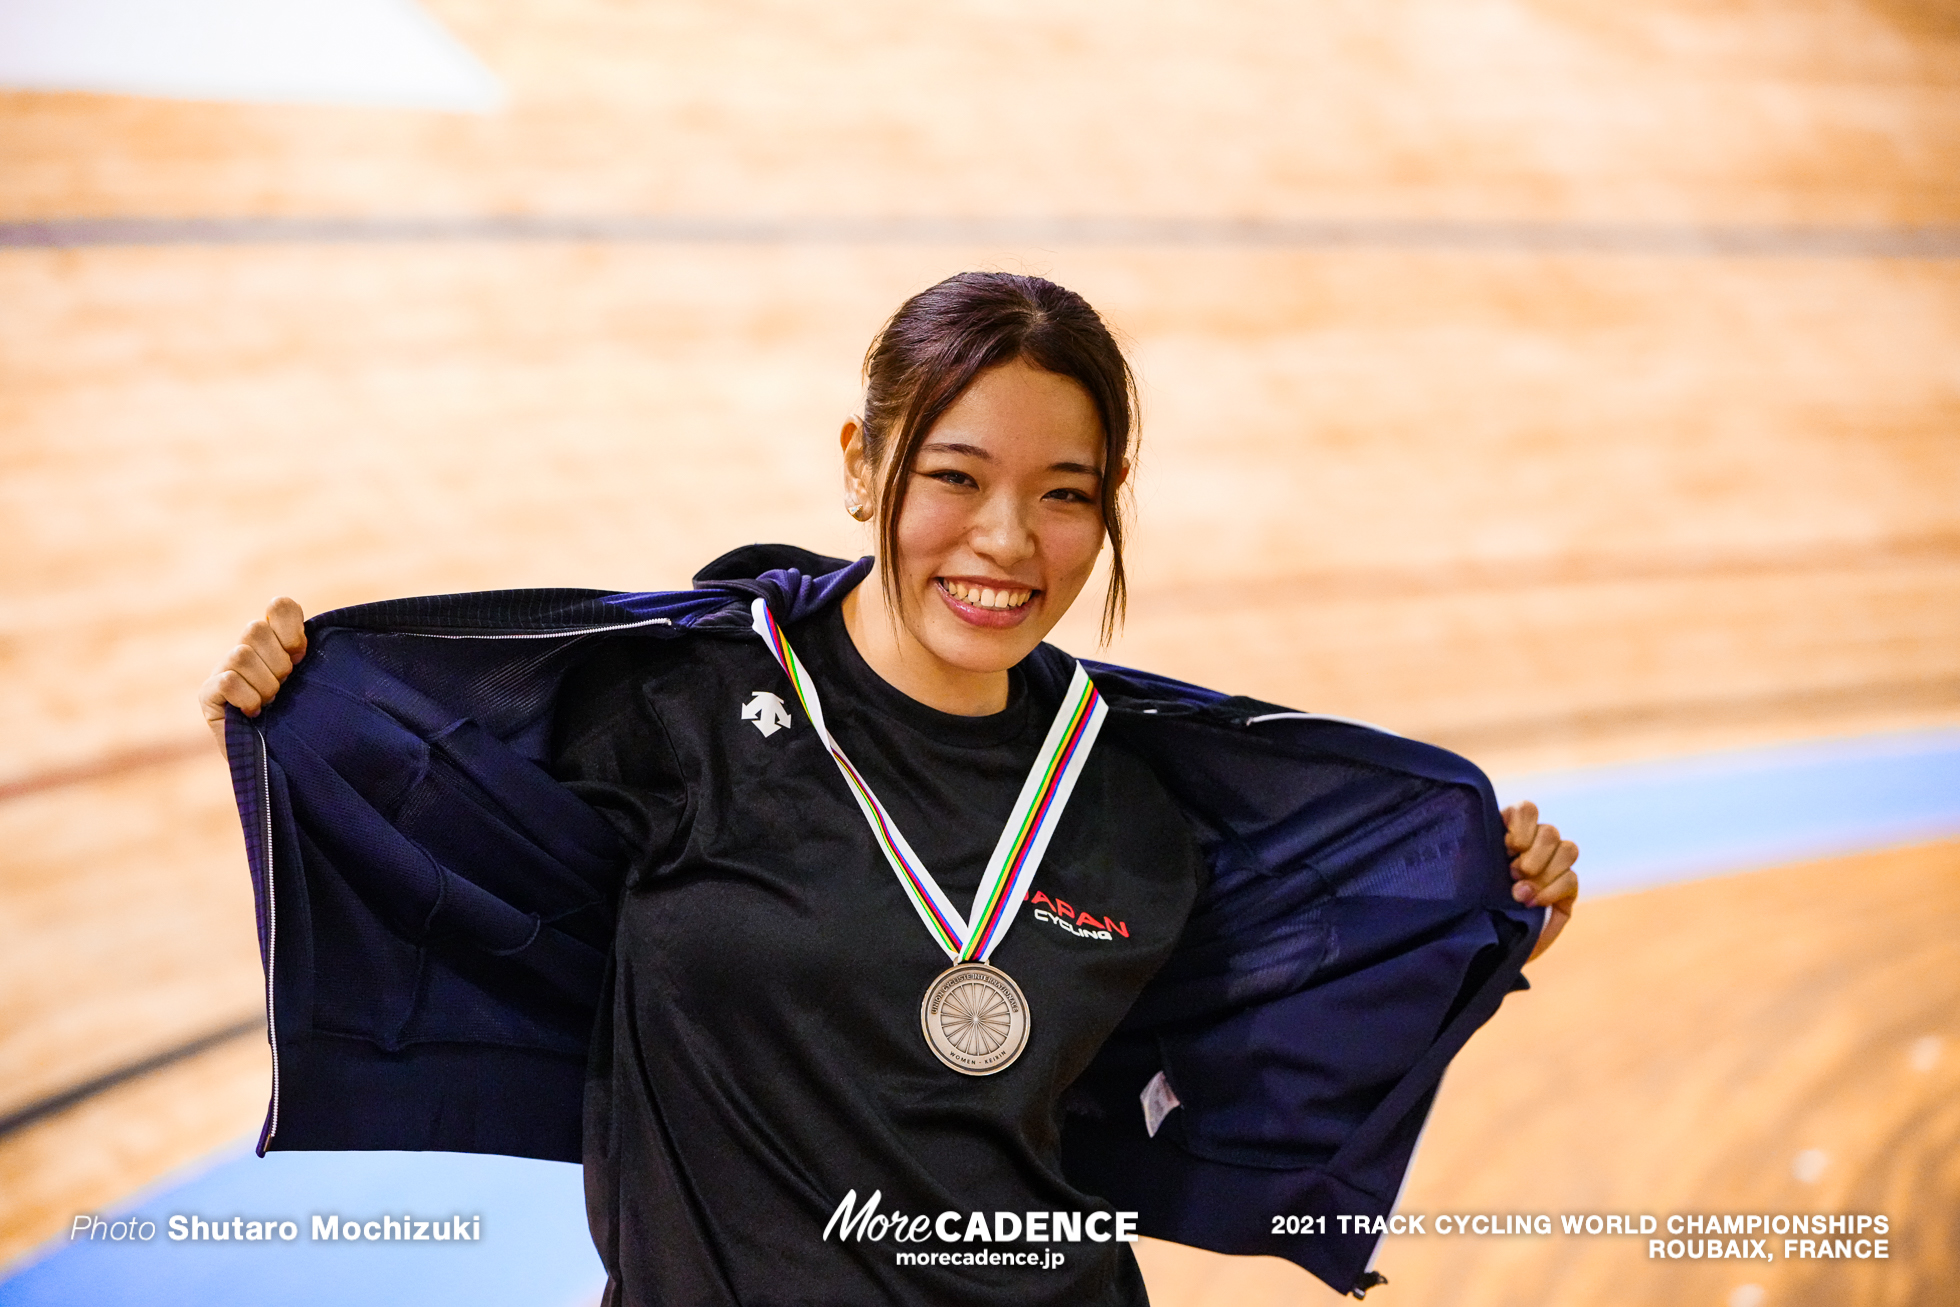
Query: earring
x,y
857,510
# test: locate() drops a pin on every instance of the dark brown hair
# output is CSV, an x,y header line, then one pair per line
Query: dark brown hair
x,y
944,337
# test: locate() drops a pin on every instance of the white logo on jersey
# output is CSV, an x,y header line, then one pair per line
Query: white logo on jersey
x,y
767,712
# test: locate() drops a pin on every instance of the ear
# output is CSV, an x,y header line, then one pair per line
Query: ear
x,y
1122,475
860,477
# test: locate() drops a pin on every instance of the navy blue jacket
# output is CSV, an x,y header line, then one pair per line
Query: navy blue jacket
x,y
434,913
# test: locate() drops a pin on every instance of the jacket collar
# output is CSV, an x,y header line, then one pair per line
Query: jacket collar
x,y
795,582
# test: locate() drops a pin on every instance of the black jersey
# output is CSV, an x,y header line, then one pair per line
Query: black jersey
x,y
759,1078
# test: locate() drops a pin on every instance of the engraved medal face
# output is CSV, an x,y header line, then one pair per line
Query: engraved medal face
x,y
975,1018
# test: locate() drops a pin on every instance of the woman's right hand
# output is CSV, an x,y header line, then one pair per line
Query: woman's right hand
x,y
251,676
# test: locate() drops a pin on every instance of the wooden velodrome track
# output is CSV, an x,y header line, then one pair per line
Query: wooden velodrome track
x,y
1506,452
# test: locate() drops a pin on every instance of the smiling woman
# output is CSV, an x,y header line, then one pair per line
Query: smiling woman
x,y
996,523
603,877
1027,400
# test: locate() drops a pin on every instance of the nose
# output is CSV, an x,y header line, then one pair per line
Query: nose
x,y
1003,530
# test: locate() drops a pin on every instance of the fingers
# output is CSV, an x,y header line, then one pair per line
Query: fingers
x,y
1557,891
227,686
1520,827
211,700
1544,870
1544,848
1541,863
243,682
266,653
288,626
264,669
250,676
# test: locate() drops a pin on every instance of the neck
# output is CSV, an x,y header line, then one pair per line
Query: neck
x,y
890,649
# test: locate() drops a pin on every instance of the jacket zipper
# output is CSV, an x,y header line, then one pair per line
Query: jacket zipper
x,y
1316,717
271,931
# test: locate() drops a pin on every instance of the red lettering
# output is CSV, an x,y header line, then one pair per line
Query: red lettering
x,y
1063,908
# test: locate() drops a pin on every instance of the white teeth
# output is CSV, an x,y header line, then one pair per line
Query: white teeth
x,y
981,596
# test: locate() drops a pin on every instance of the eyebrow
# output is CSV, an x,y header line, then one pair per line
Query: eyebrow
x,y
974,451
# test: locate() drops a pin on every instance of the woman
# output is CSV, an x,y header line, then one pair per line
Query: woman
x,y
806,1044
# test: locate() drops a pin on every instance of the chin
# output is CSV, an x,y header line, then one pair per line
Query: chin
x,y
981,651
979,648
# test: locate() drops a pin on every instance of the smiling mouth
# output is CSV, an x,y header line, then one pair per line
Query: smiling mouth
x,y
1005,599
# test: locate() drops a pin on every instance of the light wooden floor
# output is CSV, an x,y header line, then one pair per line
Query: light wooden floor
x,y
1546,509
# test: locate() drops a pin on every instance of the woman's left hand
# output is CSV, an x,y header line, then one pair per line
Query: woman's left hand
x,y
1541,864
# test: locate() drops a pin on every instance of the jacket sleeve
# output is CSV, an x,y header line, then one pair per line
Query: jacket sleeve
x,y
1358,929
434,909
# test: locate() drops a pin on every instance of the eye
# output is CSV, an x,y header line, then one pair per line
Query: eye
x,y
1068,495
952,477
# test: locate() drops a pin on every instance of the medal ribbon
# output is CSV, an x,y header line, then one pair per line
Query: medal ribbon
x,y
1023,840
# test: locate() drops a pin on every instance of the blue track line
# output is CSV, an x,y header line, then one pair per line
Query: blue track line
x,y
1685,818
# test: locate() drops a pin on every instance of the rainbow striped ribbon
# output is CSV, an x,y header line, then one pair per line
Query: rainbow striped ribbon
x,y
1023,840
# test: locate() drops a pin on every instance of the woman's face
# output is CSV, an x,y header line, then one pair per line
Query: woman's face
x,y
1003,518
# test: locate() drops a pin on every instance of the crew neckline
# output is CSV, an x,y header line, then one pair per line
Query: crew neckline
x,y
861,688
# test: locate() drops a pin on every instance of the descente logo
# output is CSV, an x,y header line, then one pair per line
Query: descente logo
x,y
867,1223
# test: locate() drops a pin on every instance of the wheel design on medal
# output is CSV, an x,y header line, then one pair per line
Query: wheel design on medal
x,y
975,1018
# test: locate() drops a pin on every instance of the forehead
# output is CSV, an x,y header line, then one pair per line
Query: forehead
x,y
1019,413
